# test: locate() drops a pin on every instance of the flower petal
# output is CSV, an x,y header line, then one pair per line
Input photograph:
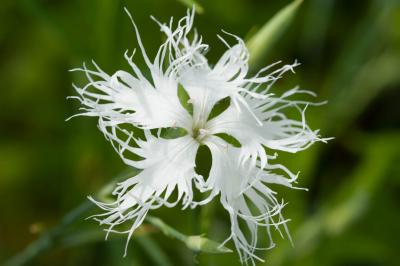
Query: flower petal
x,y
124,98
245,194
206,86
167,166
276,132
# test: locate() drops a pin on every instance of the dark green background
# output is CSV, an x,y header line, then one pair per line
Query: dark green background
x,y
350,55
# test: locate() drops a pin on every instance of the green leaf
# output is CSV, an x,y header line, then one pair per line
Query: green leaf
x,y
260,43
184,99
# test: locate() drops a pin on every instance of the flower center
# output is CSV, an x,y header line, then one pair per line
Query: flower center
x,y
199,133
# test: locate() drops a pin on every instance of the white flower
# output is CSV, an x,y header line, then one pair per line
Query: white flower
x,y
240,175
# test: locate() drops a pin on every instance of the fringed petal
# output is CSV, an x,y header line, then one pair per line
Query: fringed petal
x,y
246,195
167,166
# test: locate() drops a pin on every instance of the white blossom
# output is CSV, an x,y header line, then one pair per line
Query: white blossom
x,y
240,176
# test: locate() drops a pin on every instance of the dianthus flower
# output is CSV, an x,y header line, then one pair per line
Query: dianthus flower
x,y
180,92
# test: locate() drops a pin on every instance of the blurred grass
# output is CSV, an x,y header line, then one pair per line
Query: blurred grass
x,y
350,54
263,40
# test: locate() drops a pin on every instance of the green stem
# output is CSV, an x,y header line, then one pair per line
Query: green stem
x,y
197,243
164,228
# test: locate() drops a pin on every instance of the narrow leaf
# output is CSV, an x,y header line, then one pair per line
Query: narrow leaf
x,y
154,252
262,41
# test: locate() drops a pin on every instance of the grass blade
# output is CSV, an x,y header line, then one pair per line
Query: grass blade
x,y
264,39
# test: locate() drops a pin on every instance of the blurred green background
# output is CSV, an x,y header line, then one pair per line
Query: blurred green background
x,y
350,55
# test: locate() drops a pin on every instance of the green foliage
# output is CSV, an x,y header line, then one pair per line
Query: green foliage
x,y
264,39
